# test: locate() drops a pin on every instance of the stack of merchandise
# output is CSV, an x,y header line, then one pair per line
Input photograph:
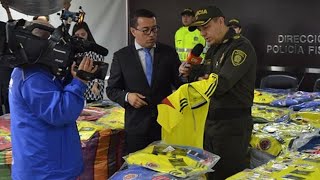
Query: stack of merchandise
x,y
5,147
101,131
282,116
160,160
102,136
274,138
103,154
290,166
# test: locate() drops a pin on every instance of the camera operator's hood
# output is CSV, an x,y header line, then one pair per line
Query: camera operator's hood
x,y
36,7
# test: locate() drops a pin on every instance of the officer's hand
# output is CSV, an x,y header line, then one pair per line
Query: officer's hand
x,y
85,65
185,69
206,76
136,100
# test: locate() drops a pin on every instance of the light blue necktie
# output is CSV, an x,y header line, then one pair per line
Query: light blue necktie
x,y
148,59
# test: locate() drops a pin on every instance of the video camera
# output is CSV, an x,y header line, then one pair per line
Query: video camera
x,y
56,52
69,16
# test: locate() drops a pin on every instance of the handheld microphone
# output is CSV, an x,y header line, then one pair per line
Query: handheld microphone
x,y
194,56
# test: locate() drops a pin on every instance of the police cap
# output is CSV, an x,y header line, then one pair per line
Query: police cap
x,y
234,23
204,15
187,11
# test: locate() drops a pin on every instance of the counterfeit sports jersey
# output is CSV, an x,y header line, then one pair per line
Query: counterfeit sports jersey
x,y
182,114
178,161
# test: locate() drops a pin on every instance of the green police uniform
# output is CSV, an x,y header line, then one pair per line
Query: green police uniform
x,y
229,122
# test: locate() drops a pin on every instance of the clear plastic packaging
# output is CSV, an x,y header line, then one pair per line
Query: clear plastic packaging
x,y
179,161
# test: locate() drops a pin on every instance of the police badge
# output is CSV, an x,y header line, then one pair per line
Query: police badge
x,y
238,57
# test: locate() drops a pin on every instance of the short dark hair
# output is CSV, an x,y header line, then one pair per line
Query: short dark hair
x,y
140,13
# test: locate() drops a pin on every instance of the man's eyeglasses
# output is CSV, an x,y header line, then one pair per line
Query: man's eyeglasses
x,y
147,31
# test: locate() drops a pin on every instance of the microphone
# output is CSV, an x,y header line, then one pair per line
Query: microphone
x,y
194,56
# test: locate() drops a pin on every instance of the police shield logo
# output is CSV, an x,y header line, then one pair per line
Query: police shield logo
x,y
238,57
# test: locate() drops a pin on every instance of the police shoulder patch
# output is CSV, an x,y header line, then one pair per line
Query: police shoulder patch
x,y
238,57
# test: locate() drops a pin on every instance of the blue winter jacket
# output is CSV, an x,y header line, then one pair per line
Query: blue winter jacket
x,y
45,139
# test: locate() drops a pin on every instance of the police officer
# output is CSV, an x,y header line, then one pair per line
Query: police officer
x,y
229,123
184,39
235,24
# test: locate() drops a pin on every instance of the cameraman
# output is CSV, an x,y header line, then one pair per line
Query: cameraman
x,y
44,109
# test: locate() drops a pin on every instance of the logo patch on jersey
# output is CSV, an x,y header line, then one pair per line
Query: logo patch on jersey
x,y
195,39
238,57
265,144
152,165
130,176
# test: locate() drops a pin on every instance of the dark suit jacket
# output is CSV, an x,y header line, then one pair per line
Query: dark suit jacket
x,y
127,75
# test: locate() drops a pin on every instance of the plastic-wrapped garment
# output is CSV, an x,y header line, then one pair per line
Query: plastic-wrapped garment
x,y
276,91
274,138
306,117
307,143
293,99
5,134
258,158
141,173
91,114
179,161
271,114
36,7
265,97
309,104
293,165
115,119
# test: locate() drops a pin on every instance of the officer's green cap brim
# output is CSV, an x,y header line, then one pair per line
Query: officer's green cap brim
x,y
198,23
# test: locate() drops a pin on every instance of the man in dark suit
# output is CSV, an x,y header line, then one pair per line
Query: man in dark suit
x,y
141,76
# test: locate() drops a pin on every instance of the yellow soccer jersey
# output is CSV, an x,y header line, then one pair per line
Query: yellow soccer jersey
x,y
168,159
262,97
182,114
290,166
306,117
